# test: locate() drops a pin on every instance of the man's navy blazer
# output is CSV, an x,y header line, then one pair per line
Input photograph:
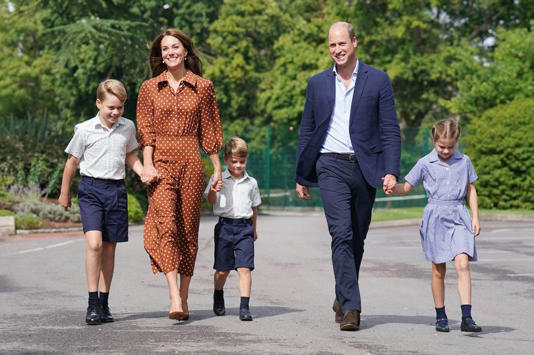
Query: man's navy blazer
x,y
374,127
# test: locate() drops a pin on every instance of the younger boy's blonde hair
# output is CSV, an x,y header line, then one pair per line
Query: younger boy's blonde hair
x,y
446,129
236,146
113,87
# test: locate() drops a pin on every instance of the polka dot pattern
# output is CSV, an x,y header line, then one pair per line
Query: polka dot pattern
x,y
176,123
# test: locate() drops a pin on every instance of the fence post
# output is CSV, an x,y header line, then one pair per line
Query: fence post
x,y
267,177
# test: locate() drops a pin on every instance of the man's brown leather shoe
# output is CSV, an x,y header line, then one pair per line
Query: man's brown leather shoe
x,y
351,320
339,313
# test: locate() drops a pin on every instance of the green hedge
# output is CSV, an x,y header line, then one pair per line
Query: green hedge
x,y
501,146
135,211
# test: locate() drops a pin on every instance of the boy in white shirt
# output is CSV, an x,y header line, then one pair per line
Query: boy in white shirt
x,y
235,200
100,147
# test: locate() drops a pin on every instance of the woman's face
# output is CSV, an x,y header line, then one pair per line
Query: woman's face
x,y
173,52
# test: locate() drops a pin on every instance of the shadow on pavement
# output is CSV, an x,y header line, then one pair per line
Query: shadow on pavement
x,y
369,321
197,315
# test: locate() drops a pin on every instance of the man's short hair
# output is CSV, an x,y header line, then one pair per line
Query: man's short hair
x,y
350,28
236,146
111,86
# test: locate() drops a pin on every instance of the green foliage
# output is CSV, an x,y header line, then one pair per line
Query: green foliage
x,y
500,145
6,213
506,76
242,38
28,221
135,211
47,210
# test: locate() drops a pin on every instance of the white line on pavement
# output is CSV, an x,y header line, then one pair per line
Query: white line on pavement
x,y
43,248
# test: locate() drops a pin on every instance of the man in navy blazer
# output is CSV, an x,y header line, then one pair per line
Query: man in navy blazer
x,y
349,145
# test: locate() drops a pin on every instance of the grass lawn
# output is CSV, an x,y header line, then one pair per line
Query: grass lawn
x,y
391,214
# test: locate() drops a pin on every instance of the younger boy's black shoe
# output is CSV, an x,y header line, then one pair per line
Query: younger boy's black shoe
x,y
218,304
442,325
93,315
244,314
105,315
469,325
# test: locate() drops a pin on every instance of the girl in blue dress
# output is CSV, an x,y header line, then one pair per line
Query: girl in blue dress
x,y
447,231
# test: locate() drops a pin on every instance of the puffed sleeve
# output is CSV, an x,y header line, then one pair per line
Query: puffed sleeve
x,y
471,173
209,129
415,176
145,117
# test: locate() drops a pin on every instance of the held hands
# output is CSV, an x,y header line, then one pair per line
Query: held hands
x,y
388,184
303,192
64,201
216,186
149,174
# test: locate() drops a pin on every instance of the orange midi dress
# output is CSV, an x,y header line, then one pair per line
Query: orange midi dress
x,y
176,123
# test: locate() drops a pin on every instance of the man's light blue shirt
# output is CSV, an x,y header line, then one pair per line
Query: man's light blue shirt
x,y
338,135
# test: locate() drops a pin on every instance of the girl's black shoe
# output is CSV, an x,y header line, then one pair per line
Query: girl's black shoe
x,y
469,325
442,325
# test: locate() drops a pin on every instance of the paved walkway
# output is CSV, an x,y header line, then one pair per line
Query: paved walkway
x,y
42,296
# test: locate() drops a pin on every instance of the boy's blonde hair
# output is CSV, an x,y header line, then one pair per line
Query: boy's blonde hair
x,y
446,129
236,146
113,87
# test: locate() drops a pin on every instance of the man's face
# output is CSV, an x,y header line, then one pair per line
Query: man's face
x,y
342,47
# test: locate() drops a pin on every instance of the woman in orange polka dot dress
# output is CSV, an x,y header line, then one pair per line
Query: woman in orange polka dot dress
x,y
176,113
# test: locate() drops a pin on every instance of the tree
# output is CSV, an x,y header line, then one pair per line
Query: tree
x,y
507,75
500,146
242,39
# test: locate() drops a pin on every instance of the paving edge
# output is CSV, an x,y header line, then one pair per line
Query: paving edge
x,y
380,224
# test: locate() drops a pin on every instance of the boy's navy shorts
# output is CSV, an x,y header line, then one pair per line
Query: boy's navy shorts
x,y
104,207
234,244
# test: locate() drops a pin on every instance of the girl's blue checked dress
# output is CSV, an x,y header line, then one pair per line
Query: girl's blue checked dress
x,y
446,225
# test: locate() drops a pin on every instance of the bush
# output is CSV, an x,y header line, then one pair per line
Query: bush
x,y
47,210
135,211
28,221
6,213
500,146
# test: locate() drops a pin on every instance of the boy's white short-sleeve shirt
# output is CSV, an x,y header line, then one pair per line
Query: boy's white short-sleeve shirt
x,y
102,151
237,196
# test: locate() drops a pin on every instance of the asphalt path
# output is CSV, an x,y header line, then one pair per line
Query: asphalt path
x,y
43,296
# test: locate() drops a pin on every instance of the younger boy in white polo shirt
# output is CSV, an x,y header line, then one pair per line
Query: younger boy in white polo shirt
x,y
235,200
100,147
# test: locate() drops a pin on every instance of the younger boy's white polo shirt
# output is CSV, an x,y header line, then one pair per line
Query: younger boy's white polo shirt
x,y
237,196
102,151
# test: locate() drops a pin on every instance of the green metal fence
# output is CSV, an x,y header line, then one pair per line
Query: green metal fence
x,y
272,152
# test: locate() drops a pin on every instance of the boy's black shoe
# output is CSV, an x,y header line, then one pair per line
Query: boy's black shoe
x,y
442,325
469,325
105,315
244,314
218,304
93,315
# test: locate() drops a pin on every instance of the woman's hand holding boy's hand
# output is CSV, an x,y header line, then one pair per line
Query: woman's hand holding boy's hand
x,y
149,175
64,201
216,185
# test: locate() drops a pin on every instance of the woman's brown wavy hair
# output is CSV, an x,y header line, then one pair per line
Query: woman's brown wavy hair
x,y
192,62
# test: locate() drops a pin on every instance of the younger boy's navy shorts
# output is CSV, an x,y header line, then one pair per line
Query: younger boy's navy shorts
x,y
104,207
234,244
